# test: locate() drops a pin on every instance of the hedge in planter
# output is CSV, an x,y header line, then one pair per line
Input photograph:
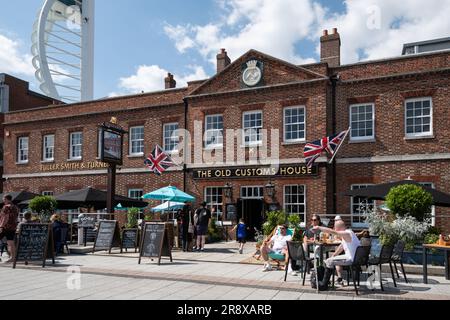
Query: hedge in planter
x,y
410,200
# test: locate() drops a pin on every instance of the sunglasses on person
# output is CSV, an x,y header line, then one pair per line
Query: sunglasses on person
x,y
314,220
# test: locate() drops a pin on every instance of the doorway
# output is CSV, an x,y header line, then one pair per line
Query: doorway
x,y
251,210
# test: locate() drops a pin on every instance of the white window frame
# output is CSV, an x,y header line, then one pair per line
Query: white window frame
x,y
244,133
302,215
285,124
45,147
254,188
21,149
421,134
130,151
71,145
130,191
215,204
219,131
366,138
352,205
171,137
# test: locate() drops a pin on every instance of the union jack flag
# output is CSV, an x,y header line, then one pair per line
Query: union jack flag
x,y
331,144
158,161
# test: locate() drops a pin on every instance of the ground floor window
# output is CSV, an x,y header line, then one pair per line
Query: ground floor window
x,y
48,193
214,200
252,192
295,201
135,194
359,207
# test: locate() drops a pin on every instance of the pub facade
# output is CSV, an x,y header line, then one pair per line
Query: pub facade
x,y
237,138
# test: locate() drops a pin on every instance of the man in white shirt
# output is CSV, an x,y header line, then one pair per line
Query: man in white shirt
x,y
276,245
345,253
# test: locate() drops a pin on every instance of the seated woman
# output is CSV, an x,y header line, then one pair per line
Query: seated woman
x,y
276,245
311,234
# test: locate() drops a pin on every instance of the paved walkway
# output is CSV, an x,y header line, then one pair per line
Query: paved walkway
x,y
216,274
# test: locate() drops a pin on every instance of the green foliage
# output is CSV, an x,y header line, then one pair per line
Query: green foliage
x,y
44,206
294,223
214,233
148,217
274,219
132,218
410,200
431,238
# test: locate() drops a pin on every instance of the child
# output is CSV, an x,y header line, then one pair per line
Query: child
x,y
241,234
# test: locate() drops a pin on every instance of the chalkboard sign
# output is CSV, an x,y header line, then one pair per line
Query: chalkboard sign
x,y
35,243
108,236
130,239
231,212
86,221
155,242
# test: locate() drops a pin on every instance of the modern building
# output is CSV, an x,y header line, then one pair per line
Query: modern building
x,y
397,109
15,95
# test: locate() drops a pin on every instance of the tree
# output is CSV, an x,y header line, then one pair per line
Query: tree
x,y
44,206
410,200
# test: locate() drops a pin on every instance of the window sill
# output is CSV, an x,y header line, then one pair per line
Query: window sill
x,y
75,160
420,137
134,156
293,143
22,163
362,141
212,148
249,146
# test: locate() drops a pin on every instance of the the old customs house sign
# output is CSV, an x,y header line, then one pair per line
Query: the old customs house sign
x,y
256,172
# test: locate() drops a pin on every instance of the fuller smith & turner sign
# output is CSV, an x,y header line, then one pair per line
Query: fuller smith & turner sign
x,y
256,172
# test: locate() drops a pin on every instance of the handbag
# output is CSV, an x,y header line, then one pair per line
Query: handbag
x,y
191,226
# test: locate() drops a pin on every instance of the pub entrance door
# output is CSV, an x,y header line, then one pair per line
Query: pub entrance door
x,y
252,211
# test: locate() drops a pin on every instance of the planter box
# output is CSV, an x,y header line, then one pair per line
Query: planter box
x,y
415,257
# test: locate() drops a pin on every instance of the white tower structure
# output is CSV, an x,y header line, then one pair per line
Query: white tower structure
x,y
63,49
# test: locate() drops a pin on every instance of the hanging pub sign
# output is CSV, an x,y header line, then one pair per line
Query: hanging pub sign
x,y
111,139
256,172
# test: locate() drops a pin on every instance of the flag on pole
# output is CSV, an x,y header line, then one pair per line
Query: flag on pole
x,y
158,161
331,145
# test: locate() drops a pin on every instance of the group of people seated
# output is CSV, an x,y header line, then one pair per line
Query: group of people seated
x,y
341,257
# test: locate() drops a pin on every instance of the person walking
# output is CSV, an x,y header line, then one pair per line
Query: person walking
x,y
187,226
9,216
241,234
202,219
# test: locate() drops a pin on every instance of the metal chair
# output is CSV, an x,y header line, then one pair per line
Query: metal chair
x,y
361,259
397,257
385,257
297,253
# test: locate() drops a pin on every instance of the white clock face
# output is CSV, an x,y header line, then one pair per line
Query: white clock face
x,y
252,76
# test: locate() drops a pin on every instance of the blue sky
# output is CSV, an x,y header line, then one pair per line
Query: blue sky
x,y
138,41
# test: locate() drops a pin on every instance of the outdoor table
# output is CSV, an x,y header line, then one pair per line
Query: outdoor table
x,y
427,247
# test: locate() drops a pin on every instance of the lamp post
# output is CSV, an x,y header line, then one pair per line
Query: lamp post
x,y
270,190
228,190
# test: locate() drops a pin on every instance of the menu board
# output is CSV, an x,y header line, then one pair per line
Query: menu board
x,y
34,243
86,221
107,236
155,242
130,239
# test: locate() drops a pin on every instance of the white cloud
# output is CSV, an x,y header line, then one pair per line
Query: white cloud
x,y
276,27
363,37
150,78
13,61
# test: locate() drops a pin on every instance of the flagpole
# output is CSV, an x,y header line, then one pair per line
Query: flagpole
x,y
337,150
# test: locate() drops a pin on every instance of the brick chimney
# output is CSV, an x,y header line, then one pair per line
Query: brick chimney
x,y
170,82
223,60
330,48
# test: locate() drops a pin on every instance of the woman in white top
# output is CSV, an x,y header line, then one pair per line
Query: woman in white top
x,y
345,253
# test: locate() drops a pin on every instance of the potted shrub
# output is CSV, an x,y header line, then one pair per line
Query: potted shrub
x,y
274,219
132,218
44,206
214,233
295,223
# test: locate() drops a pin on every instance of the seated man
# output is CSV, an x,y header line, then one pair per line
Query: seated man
x,y
350,244
276,245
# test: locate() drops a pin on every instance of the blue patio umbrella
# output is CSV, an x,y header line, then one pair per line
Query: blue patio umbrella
x,y
170,193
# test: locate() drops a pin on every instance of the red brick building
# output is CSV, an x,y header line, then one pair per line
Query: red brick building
x,y
15,95
397,109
